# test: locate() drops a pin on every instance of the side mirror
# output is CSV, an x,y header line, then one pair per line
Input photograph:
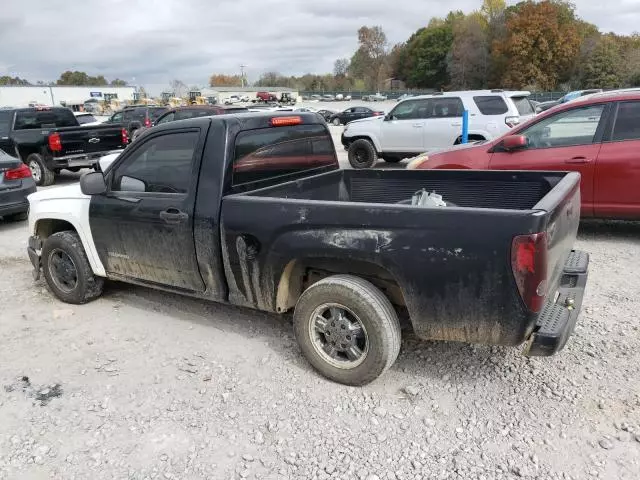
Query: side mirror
x,y
388,117
515,142
93,183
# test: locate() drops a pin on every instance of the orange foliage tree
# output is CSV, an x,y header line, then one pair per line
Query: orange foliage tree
x,y
540,43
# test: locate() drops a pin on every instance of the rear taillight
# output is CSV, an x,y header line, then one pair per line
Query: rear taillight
x,y
377,114
125,136
55,144
147,122
512,121
17,173
529,265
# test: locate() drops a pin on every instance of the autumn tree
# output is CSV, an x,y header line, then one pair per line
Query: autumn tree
x,y
369,62
539,47
222,80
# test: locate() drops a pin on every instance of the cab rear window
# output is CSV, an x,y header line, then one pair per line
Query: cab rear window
x,y
53,118
281,153
523,105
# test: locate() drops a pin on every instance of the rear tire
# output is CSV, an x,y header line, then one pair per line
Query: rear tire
x,y
341,309
67,270
362,154
41,174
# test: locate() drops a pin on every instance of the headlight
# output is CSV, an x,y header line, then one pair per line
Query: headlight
x,y
416,162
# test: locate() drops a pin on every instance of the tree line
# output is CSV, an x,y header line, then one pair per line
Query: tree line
x,y
533,45
73,78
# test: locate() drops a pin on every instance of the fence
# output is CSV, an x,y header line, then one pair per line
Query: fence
x,y
393,94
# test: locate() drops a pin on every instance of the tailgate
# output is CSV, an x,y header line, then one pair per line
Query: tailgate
x,y
562,205
91,139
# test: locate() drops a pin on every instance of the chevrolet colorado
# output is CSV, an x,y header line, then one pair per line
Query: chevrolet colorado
x,y
253,210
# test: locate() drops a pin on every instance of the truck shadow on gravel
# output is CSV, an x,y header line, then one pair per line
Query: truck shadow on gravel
x,y
608,230
419,359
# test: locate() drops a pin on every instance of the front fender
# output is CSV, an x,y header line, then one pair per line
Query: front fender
x,y
74,212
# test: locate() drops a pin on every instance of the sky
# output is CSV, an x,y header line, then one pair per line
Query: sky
x,y
151,43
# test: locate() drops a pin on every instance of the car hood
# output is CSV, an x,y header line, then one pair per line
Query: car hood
x,y
69,192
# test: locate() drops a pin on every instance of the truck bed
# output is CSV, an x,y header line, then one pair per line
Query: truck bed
x,y
452,265
461,188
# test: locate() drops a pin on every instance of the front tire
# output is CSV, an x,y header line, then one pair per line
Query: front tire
x,y
67,270
347,329
39,171
362,154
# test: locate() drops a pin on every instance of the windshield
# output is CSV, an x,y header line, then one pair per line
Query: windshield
x,y
84,119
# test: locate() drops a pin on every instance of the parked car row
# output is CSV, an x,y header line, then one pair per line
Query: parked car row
x,y
429,122
597,136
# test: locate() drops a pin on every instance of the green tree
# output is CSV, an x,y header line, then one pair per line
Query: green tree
x,y
604,67
369,62
118,83
423,62
80,78
7,80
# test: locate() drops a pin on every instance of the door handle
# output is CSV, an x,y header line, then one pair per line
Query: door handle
x,y
173,216
418,125
578,160
4,138
456,124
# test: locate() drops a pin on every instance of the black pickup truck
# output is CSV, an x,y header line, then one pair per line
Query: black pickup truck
x,y
253,210
49,139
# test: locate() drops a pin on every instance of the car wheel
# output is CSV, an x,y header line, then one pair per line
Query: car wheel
x,y
67,270
336,122
362,154
17,217
347,329
39,171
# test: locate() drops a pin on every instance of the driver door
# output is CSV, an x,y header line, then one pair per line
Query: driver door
x,y
143,225
567,141
403,130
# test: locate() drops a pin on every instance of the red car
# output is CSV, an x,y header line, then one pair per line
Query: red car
x,y
598,136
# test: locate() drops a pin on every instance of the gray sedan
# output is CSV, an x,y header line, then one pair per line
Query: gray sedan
x,y
16,183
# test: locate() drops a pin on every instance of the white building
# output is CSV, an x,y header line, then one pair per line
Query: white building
x,y
54,95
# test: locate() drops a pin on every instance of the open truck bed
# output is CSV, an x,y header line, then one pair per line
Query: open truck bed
x,y
457,269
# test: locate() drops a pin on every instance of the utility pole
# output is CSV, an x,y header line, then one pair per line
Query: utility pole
x,y
242,67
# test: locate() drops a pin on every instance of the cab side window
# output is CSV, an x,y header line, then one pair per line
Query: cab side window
x,y
162,164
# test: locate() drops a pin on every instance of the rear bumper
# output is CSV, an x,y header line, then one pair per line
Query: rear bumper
x,y
81,160
15,200
558,319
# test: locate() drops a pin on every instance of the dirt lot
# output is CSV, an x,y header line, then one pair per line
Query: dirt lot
x,y
141,384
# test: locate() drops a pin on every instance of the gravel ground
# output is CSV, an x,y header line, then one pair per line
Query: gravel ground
x,y
141,384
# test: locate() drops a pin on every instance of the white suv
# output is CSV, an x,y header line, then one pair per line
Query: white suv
x,y
433,122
